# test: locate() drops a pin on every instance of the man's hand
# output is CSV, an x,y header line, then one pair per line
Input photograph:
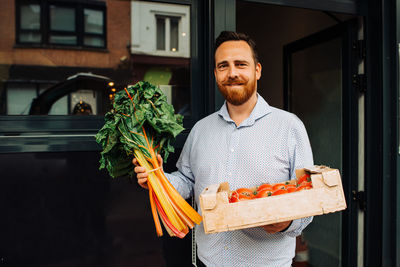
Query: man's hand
x,y
142,174
276,227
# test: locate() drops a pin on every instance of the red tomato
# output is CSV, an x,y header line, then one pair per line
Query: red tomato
x,y
264,193
306,184
278,186
290,186
234,197
279,192
242,194
304,178
291,189
245,191
243,197
264,187
302,187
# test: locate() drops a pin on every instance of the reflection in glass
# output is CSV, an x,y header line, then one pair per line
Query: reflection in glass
x,y
19,98
174,37
316,97
60,107
160,33
30,17
83,102
30,37
62,18
93,41
162,54
58,98
63,39
93,21
175,83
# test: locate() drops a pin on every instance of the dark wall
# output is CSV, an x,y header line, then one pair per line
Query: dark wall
x,y
58,209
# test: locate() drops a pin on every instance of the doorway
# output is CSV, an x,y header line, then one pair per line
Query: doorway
x,y
318,70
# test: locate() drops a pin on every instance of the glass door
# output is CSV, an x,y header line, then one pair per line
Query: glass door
x,y
318,89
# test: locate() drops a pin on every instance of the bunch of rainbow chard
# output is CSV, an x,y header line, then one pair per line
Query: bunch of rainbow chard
x,y
142,124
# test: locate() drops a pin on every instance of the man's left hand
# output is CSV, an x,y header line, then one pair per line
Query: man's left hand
x,y
276,227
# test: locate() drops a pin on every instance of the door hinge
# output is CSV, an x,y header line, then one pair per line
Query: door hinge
x,y
359,47
360,82
359,196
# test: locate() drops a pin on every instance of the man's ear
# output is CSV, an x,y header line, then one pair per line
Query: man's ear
x,y
258,70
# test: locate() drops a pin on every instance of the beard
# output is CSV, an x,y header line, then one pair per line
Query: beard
x,y
239,95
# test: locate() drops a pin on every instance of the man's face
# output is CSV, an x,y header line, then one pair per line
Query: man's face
x,y
236,72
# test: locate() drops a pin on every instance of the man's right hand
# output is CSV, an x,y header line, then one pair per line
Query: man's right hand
x,y
142,174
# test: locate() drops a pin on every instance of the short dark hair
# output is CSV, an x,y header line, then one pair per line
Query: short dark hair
x,y
236,36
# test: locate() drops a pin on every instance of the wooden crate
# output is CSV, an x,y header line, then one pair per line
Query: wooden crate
x,y
326,196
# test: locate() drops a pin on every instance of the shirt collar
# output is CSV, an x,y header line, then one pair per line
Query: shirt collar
x,y
260,110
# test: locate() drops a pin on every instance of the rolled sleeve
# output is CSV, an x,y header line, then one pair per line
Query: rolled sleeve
x,y
297,226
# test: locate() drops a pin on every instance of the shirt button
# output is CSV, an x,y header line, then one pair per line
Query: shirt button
x,y
232,150
229,173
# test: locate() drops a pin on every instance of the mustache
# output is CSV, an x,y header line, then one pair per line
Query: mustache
x,y
233,81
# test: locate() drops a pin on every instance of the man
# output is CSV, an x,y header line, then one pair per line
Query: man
x,y
247,143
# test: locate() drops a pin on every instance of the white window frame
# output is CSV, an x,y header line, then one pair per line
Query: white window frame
x,y
144,28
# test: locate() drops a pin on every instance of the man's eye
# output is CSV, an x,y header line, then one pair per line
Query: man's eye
x,y
222,66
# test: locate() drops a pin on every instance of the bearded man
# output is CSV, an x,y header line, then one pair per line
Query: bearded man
x,y
247,143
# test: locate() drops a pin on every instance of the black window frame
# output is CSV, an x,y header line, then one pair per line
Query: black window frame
x,y
79,6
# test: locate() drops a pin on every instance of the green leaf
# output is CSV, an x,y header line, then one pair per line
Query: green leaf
x,y
122,133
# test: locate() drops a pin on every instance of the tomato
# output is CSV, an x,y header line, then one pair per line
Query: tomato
x,y
243,197
291,189
278,186
242,194
306,184
279,192
290,186
245,191
264,193
234,197
304,178
264,187
302,187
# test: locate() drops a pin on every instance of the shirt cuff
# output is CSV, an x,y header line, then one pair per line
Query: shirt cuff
x,y
295,224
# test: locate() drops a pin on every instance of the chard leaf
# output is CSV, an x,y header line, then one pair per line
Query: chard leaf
x,y
145,112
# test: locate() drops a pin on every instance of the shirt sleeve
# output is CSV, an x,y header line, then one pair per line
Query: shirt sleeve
x,y
300,155
183,179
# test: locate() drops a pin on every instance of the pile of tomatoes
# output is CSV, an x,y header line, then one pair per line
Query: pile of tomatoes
x,y
266,190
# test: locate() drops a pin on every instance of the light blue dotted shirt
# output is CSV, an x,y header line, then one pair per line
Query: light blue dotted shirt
x,y
267,147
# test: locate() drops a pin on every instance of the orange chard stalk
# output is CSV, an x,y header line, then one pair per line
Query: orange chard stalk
x,y
154,212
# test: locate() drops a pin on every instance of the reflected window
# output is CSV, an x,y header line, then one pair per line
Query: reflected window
x,y
81,94
168,25
30,23
160,33
62,25
70,24
19,98
94,28
174,36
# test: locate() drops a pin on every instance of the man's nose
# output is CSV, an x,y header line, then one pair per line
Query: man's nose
x,y
232,72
